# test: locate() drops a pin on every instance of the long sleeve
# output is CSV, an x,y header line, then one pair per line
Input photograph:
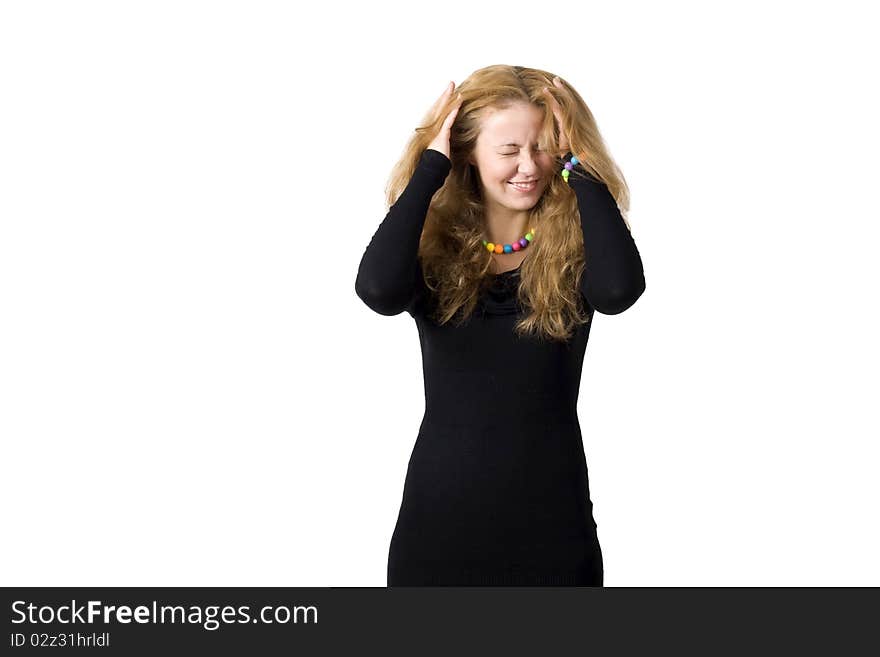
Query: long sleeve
x,y
613,277
387,276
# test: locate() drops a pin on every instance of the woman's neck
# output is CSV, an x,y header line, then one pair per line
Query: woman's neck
x,y
506,229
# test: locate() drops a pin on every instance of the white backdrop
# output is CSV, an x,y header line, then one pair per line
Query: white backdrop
x,y
192,394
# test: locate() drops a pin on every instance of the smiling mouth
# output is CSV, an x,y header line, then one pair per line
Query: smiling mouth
x,y
524,187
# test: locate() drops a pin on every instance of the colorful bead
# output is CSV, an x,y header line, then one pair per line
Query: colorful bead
x,y
518,245
569,166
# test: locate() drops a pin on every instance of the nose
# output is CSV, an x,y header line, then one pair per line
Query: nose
x,y
528,165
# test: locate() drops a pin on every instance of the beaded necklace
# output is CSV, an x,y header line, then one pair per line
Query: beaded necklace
x,y
517,245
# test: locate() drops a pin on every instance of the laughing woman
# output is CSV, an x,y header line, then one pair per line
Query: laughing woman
x,y
505,234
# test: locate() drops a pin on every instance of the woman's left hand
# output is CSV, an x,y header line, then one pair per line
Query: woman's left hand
x,y
557,112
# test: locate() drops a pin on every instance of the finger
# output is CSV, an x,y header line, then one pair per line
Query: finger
x,y
446,91
455,109
561,89
554,106
435,108
560,86
552,100
450,119
557,112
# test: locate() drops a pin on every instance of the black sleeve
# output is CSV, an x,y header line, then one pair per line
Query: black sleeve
x,y
387,278
613,276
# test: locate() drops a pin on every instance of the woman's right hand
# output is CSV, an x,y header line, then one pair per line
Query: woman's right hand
x,y
441,140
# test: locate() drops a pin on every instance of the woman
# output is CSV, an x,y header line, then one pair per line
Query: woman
x,y
502,261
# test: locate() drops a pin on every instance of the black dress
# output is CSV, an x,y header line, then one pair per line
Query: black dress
x,y
496,490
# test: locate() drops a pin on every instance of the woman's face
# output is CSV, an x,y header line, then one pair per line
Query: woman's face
x,y
506,152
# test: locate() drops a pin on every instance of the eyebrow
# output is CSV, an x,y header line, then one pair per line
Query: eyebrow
x,y
510,144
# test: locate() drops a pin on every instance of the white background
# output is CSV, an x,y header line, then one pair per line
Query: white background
x,y
191,393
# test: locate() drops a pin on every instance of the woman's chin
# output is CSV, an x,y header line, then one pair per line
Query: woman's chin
x,y
523,202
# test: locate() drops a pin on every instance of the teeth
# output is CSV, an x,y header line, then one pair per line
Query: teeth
x,y
523,186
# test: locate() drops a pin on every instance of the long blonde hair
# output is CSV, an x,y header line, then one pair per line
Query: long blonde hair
x,y
451,253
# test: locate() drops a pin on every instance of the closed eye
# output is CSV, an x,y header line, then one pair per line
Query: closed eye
x,y
540,150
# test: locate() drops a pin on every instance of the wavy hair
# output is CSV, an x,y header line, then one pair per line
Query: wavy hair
x,y
453,259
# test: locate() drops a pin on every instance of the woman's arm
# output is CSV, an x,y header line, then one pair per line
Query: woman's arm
x,y
386,279
613,276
